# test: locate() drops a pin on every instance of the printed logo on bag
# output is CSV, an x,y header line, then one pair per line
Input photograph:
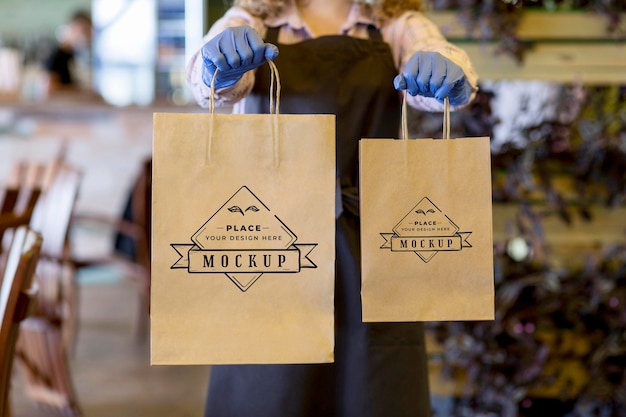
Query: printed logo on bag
x,y
426,230
244,240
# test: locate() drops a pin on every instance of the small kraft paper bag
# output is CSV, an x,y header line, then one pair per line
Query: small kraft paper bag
x,y
426,228
243,243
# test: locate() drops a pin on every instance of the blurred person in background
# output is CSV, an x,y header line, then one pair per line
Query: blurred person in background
x,y
62,66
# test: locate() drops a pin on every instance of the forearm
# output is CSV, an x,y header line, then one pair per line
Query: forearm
x,y
413,32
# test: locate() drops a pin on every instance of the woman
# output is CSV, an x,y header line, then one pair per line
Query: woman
x,y
334,56
61,64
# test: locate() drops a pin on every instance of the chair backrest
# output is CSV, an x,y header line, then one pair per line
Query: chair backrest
x,y
41,349
20,196
15,300
51,216
42,195
53,212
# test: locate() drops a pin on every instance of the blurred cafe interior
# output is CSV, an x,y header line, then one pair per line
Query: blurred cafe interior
x,y
75,165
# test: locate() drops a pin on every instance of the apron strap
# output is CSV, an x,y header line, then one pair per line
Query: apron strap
x,y
374,33
272,34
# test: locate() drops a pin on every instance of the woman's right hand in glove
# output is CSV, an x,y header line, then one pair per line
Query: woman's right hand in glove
x,y
233,52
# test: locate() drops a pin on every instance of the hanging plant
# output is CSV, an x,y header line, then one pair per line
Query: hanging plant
x,y
600,169
583,147
549,321
559,327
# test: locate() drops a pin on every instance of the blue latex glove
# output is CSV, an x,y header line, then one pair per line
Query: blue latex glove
x,y
430,74
233,52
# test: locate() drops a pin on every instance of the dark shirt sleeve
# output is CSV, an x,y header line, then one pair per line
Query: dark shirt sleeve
x,y
59,63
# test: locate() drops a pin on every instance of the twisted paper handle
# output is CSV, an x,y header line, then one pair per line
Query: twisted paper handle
x,y
274,109
274,81
446,118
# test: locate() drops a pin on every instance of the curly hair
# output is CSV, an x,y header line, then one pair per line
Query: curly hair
x,y
379,9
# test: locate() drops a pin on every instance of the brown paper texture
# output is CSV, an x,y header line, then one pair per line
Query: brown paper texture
x,y
426,230
243,239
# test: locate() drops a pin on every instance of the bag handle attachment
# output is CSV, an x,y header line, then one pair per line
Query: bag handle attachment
x,y
446,118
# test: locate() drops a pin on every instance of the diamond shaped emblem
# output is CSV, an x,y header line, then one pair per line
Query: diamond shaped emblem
x,y
243,240
425,219
242,220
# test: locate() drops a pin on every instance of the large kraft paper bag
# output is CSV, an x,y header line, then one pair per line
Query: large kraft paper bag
x,y
426,229
243,243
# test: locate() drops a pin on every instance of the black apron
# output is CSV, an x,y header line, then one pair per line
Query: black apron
x,y
380,369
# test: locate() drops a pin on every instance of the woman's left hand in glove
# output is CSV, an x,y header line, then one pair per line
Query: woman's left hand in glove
x,y
430,74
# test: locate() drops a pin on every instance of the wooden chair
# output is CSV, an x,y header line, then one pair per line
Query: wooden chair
x,y
16,298
132,246
43,363
47,338
19,198
17,204
57,185
58,299
136,225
